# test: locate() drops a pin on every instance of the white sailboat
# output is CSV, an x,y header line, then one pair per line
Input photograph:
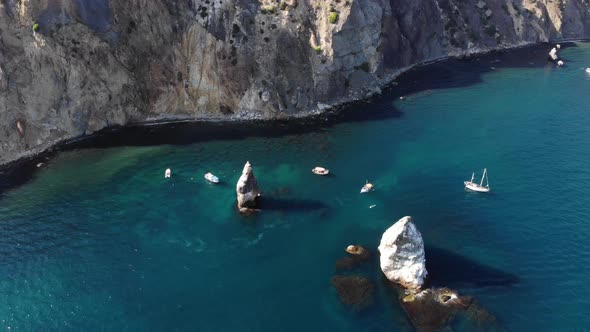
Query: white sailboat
x,y
478,187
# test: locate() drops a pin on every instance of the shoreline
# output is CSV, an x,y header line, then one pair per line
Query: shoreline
x,y
26,163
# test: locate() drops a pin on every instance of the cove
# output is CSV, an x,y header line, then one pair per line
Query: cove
x,y
97,239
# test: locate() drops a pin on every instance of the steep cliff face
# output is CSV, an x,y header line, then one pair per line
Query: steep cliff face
x,y
98,63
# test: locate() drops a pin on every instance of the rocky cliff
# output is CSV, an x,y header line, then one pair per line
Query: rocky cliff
x,y
98,63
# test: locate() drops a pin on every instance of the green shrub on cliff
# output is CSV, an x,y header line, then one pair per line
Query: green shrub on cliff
x,y
318,49
35,27
268,9
333,17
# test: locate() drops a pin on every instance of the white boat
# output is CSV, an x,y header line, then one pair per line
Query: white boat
x,y
367,187
211,178
478,187
588,70
320,171
167,173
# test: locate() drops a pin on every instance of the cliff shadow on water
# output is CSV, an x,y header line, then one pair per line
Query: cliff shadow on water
x,y
449,73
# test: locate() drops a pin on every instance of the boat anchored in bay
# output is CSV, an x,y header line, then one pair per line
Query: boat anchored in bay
x,y
320,171
211,178
478,187
367,187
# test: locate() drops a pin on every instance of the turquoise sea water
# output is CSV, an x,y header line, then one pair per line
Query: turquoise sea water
x,y
97,239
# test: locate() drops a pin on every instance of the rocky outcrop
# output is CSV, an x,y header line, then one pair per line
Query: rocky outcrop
x,y
247,189
358,251
434,309
402,256
100,63
356,256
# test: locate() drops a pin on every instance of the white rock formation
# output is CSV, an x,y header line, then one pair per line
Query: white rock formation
x,y
402,257
247,189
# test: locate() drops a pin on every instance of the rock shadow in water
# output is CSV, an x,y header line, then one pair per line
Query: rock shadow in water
x,y
291,205
449,269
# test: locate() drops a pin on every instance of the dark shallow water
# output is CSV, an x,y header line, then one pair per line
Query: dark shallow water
x,y
97,239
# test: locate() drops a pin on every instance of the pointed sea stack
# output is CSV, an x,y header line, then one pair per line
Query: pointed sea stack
x,y
247,190
403,261
402,256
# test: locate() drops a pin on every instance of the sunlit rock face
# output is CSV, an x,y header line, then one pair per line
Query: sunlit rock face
x,y
247,189
402,256
100,63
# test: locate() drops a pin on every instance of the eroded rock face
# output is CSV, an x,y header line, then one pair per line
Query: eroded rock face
x,y
3,80
355,291
402,256
99,63
247,189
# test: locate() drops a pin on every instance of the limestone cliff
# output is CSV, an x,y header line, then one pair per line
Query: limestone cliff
x,y
99,63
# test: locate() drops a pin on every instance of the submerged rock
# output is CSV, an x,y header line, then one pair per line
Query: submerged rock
x,y
357,255
434,309
247,190
402,256
355,291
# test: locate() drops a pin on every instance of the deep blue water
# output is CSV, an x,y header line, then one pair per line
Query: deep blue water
x,y
97,239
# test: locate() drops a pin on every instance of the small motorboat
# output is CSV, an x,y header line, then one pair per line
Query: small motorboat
x,y
588,70
367,187
320,171
167,173
478,187
211,178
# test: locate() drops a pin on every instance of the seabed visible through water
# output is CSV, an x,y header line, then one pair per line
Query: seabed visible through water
x,y
98,239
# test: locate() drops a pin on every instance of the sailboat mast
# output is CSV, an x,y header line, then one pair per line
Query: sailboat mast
x,y
472,177
482,177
